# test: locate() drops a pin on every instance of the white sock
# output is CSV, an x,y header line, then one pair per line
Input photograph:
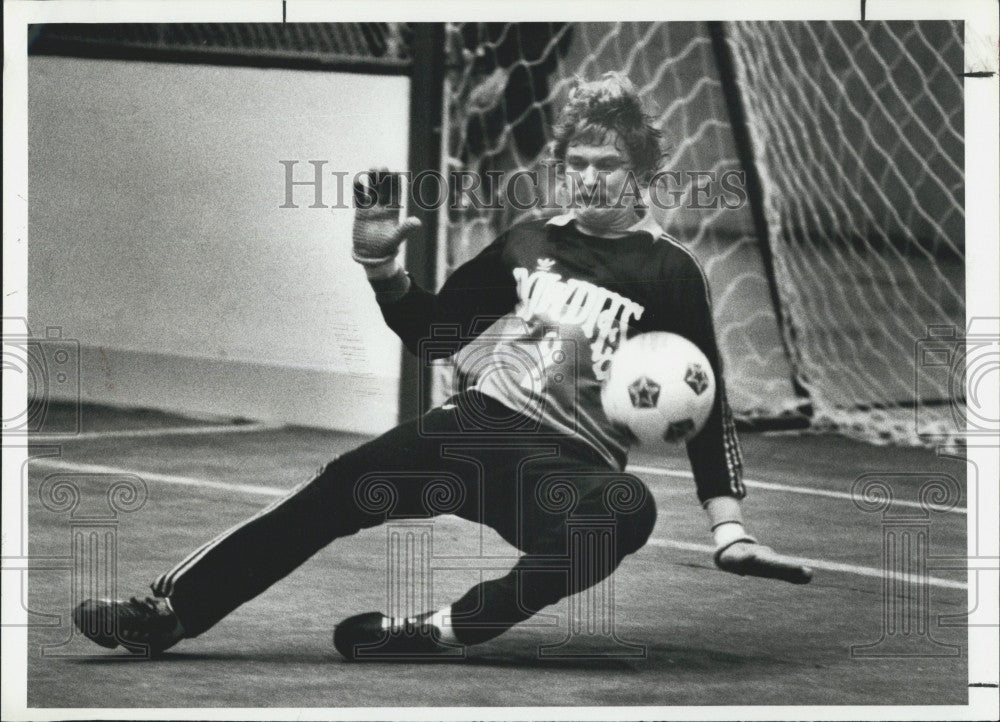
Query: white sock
x,y
442,620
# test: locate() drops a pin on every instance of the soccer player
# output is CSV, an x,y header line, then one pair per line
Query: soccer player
x,y
524,444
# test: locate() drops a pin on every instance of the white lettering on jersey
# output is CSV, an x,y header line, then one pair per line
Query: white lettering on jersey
x,y
601,314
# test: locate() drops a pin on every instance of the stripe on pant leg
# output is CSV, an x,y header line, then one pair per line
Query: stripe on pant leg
x,y
164,584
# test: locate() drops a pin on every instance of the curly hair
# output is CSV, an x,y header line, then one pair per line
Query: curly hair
x,y
611,103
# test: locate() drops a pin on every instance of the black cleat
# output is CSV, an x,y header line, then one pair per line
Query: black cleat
x,y
373,637
142,626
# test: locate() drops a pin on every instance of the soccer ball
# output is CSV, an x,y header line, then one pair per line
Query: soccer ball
x,y
660,386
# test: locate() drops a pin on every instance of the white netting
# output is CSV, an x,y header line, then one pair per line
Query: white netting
x,y
507,81
857,133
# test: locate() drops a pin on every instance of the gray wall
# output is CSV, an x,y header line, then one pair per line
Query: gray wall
x,y
156,237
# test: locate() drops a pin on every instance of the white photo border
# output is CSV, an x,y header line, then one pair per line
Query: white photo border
x,y
982,159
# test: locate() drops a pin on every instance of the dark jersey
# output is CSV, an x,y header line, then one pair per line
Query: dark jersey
x,y
539,313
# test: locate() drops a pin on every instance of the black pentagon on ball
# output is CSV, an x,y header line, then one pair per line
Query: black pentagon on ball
x,y
644,393
677,430
696,378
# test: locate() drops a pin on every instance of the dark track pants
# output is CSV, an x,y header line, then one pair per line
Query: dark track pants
x,y
533,487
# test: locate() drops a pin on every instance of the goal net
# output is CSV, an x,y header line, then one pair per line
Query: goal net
x,y
856,132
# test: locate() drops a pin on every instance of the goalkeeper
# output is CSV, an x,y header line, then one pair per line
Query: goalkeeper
x,y
524,446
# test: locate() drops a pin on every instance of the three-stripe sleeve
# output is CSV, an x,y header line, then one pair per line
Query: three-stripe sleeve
x,y
715,454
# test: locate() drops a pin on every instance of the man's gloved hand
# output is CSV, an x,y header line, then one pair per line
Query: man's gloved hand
x,y
746,557
377,231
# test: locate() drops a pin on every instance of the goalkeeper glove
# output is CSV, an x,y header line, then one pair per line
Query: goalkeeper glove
x,y
746,557
739,553
377,233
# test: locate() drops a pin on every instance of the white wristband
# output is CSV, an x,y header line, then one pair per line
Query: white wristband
x,y
722,509
386,269
728,532
725,519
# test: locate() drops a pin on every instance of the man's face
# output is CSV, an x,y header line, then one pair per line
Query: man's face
x,y
599,180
